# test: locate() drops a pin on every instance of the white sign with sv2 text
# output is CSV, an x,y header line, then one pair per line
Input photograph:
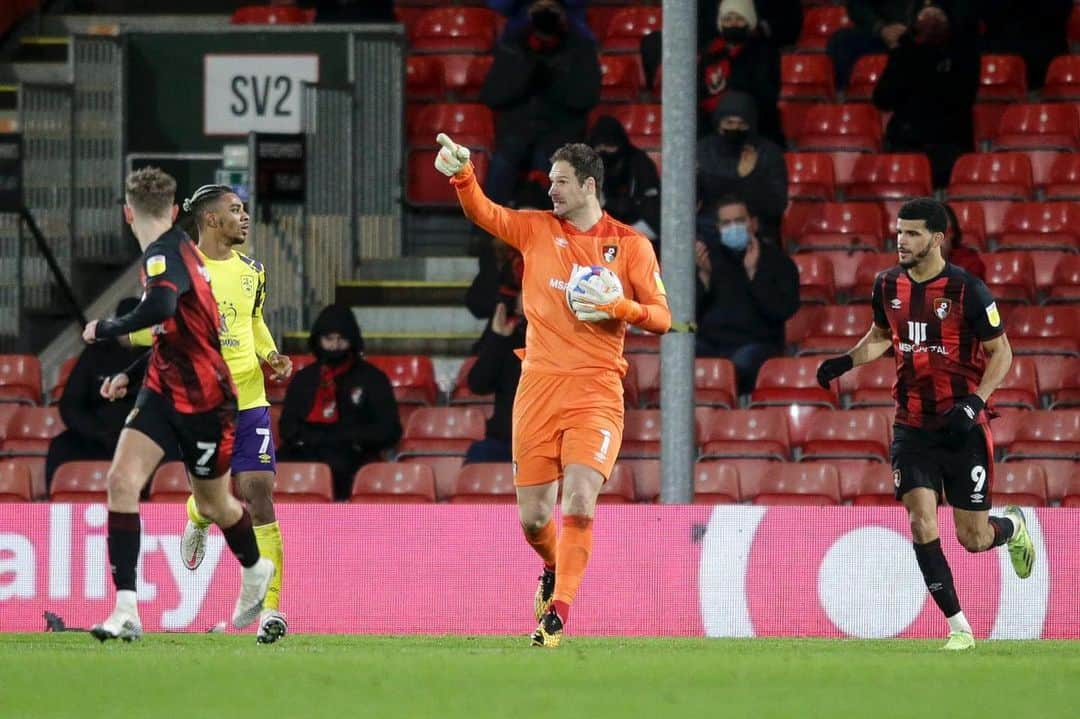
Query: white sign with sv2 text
x,y
260,93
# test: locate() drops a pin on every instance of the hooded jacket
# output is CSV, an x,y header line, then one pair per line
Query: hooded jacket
x,y
367,410
765,189
631,183
752,67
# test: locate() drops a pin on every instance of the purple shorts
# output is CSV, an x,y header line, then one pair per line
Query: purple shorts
x,y
253,450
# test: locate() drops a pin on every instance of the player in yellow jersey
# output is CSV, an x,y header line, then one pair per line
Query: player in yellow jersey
x,y
239,286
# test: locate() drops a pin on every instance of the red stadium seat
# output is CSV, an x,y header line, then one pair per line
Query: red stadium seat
x,y
972,223
843,226
1044,263
276,388
1063,181
819,24
714,382
1022,483
15,482
996,175
1038,126
272,15
1063,78
985,118
36,467
452,29
827,128
816,283
865,75
627,26
619,487
62,376
875,487
445,469
170,483
644,376
796,328
870,384
810,175
641,434
854,434
1059,380
471,124
303,483
806,77
1004,428
838,328
408,16
716,483
646,474
993,213
412,376
638,341
1059,473
746,433
642,122
429,188
621,77
463,74
799,420
791,380
461,394
1047,434
868,269
1010,276
393,483
489,482
890,176
1042,225
442,431
30,430
20,379
599,18
1020,387
1066,281
1003,78
809,484
424,78
845,265
81,482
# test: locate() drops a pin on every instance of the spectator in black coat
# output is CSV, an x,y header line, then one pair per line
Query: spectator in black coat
x,y
929,84
542,83
340,410
92,422
497,371
631,182
735,160
746,291
518,13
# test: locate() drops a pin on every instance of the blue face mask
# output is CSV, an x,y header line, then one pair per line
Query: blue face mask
x,y
734,236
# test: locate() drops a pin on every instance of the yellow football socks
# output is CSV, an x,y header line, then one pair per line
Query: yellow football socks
x,y
193,514
268,536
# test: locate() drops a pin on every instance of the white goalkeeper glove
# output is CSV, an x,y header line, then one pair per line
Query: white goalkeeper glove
x,y
594,299
452,158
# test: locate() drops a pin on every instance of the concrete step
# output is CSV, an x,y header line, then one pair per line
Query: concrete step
x,y
428,269
392,293
111,24
43,48
375,343
418,321
9,98
40,72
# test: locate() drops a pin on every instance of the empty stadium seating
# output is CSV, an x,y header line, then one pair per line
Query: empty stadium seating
x,y
819,24
854,434
716,483
837,329
488,482
996,175
30,429
441,431
303,482
889,176
15,482
791,380
1049,329
864,76
451,29
810,176
20,378
1038,126
806,77
394,483
843,226
1002,78
793,484
1063,79
272,15
627,26
1022,483
746,433
80,482
170,483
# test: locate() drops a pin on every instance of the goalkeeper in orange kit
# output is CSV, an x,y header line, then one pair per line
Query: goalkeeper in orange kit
x,y
568,411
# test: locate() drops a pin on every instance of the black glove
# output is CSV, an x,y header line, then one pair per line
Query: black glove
x,y
962,417
832,368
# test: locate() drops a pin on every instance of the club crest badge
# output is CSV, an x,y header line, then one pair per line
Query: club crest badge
x,y
609,253
942,305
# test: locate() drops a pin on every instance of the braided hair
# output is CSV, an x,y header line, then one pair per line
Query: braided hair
x,y
193,206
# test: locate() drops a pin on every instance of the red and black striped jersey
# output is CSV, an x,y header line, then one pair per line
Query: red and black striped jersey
x,y
186,366
938,327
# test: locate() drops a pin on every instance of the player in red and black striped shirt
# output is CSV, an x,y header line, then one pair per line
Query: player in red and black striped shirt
x,y
951,354
188,400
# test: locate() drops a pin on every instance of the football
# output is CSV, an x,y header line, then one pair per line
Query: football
x,y
600,278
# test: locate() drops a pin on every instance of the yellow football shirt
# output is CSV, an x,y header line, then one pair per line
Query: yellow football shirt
x,y
239,286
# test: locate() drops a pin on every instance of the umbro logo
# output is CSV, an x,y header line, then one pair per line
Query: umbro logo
x,y
560,242
895,304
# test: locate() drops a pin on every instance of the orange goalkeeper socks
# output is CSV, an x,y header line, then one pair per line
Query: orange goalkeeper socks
x,y
544,542
575,544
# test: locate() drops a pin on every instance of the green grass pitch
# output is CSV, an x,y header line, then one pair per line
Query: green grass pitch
x,y
189,676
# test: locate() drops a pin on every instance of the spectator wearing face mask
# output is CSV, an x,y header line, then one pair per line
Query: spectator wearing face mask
x,y
929,85
543,81
736,160
631,183
746,291
340,410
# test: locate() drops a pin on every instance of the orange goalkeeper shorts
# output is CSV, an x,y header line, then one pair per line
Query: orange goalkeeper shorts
x,y
566,419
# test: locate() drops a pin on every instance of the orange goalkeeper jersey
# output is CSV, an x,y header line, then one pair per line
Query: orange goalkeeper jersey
x,y
556,341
